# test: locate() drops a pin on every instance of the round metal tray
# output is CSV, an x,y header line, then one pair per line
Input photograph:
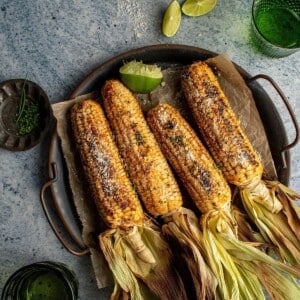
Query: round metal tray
x,y
163,55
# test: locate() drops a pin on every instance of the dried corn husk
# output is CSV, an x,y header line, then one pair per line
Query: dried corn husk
x,y
182,226
234,282
241,267
281,228
139,278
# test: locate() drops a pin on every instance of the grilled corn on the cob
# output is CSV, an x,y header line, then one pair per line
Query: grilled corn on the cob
x,y
228,144
146,164
268,204
211,193
199,174
107,180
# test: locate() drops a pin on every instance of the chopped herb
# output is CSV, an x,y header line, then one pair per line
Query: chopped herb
x,y
22,102
177,140
27,116
169,125
139,139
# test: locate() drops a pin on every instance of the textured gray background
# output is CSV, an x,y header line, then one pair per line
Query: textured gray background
x,y
56,44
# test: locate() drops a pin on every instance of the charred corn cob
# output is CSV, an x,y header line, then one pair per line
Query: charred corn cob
x,y
146,164
226,141
108,183
269,204
199,174
223,250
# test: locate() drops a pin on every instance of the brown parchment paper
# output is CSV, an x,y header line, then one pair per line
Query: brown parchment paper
x,y
241,100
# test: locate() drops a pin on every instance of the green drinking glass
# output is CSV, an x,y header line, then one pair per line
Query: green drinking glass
x,y
276,26
41,281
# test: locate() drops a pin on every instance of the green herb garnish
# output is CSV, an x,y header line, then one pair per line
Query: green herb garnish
x,y
29,119
22,102
27,116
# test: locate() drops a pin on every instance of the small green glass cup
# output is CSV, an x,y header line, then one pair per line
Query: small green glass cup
x,y
276,26
41,281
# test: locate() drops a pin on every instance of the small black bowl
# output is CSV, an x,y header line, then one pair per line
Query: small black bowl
x,y
10,95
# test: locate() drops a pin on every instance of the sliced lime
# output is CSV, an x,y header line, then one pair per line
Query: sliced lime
x,y
195,8
139,77
172,19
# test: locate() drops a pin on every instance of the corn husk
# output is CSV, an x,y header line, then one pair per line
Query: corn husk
x,y
279,228
120,294
182,227
234,282
278,285
245,231
133,274
241,267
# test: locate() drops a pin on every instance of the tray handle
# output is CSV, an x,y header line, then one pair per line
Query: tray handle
x,y
290,111
52,180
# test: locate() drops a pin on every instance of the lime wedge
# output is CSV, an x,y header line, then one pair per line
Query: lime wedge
x,y
172,19
139,77
195,8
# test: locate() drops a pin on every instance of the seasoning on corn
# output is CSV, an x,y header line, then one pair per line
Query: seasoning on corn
x,y
107,180
268,204
238,266
151,174
147,167
133,247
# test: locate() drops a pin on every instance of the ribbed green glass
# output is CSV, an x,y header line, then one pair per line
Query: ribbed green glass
x,y
276,26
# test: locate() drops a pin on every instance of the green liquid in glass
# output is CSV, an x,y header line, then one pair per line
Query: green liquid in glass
x,y
279,26
46,286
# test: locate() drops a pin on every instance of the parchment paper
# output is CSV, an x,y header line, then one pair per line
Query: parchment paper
x,y
242,102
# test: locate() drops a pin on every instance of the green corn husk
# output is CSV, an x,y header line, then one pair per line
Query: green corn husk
x,y
279,228
278,285
234,282
133,274
182,227
239,266
245,231
120,294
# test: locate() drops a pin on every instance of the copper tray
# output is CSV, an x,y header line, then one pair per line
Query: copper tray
x,y
57,202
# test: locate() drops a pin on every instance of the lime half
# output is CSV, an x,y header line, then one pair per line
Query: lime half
x,y
172,19
195,8
139,77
